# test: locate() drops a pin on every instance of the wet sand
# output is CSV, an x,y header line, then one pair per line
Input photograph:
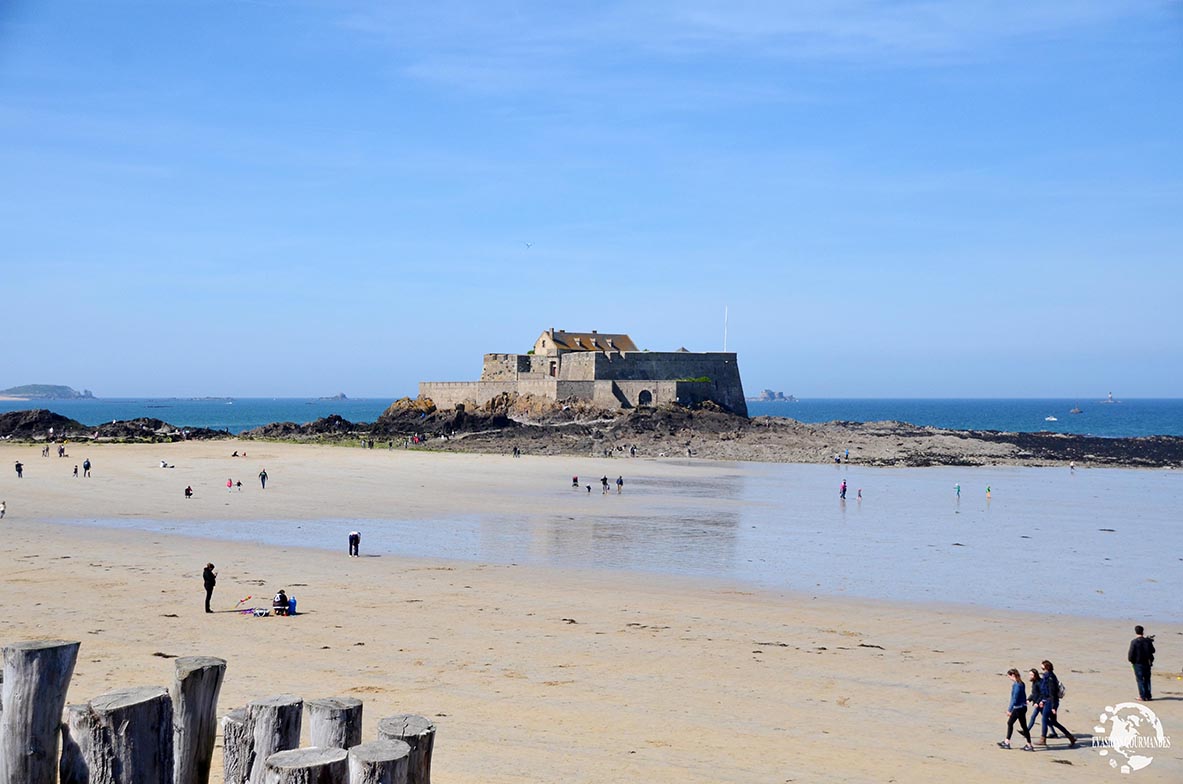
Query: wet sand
x,y
534,673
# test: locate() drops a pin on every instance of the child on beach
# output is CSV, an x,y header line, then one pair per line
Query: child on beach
x,y
1016,711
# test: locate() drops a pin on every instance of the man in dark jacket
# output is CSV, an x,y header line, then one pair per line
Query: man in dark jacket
x,y
1142,657
210,577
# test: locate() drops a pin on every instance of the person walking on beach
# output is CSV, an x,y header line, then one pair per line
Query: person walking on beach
x,y
3,509
987,492
604,484
354,544
1016,711
1141,656
619,485
210,578
86,468
75,470
957,490
20,469
263,478
842,490
229,485
1049,704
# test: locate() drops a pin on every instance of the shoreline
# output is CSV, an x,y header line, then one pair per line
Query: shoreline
x,y
767,526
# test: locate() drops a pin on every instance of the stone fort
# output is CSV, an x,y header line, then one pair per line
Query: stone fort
x,y
607,370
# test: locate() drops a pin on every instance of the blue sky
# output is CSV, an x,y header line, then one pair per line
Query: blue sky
x,y
935,199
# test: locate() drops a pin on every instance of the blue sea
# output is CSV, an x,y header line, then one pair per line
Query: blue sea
x,y
1126,418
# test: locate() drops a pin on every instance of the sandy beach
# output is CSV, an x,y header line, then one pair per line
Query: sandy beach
x,y
534,673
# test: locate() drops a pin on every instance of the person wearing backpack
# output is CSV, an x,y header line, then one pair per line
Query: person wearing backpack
x,y
1050,693
1141,655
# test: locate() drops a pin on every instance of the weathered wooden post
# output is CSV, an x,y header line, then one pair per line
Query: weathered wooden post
x,y
250,736
418,733
334,723
76,745
308,766
32,695
236,748
195,690
379,762
122,737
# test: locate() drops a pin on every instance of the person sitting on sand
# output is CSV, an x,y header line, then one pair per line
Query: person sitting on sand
x,y
279,605
189,491
575,482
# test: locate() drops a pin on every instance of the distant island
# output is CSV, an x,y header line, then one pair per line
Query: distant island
x,y
768,396
45,392
338,396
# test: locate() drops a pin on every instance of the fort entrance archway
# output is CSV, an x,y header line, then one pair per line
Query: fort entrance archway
x,y
645,398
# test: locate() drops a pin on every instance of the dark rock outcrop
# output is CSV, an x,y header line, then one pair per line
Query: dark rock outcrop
x,y
35,424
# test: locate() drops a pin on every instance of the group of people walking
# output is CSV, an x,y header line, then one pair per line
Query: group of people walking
x,y
1044,699
1047,691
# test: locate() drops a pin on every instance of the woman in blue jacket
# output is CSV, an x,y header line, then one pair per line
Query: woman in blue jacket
x,y
1016,711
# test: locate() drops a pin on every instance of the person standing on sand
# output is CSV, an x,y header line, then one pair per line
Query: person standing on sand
x,y
842,490
75,471
1049,703
619,485
957,490
987,492
1141,656
604,483
210,578
3,509
229,485
86,468
20,469
263,478
354,544
1016,711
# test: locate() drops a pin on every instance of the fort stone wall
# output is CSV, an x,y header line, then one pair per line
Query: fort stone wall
x,y
610,379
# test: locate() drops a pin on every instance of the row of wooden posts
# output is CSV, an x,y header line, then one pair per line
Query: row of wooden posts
x,y
149,735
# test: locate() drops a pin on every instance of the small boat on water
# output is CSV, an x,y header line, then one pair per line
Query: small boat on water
x,y
1110,399
1076,410
1050,419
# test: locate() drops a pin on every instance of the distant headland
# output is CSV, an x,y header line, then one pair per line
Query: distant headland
x,y
44,392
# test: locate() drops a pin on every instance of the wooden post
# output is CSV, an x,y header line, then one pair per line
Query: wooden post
x,y
122,737
308,766
78,729
195,708
32,695
418,733
379,762
273,724
236,748
334,723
